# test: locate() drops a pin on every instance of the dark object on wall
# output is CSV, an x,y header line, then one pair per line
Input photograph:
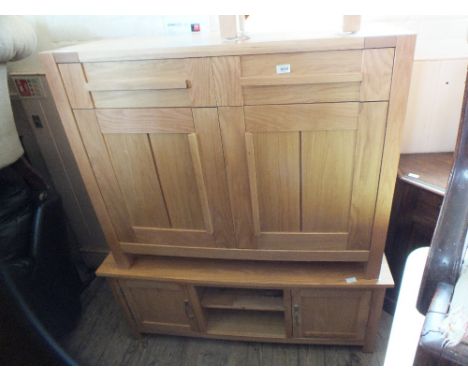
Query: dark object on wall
x,y
34,259
419,192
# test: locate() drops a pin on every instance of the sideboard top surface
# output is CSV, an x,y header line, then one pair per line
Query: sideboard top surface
x,y
209,44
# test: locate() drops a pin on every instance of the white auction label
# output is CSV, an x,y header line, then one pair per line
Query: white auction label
x,y
283,68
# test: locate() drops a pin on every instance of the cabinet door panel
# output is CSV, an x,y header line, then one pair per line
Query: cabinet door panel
x,y
276,165
327,169
311,170
131,157
337,313
159,306
178,180
156,162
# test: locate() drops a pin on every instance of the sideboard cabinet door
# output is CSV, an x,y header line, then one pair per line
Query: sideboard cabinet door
x,y
305,176
330,313
161,173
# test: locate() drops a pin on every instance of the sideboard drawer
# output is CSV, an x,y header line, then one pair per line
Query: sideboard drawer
x,y
149,83
333,76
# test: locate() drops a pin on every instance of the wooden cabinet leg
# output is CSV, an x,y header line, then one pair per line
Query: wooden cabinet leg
x,y
374,319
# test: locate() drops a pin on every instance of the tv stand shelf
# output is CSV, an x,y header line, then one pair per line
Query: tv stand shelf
x,y
243,299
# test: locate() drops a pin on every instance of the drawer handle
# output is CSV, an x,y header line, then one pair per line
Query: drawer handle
x,y
137,84
296,314
188,310
289,79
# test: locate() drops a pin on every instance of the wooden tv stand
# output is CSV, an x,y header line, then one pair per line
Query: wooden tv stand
x,y
318,303
239,184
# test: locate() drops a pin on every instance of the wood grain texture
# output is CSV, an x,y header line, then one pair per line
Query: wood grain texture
x,y
251,164
248,254
296,94
303,240
75,85
214,169
139,84
226,75
103,172
174,237
307,63
177,176
377,66
380,42
404,53
327,172
277,158
367,170
231,121
199,178
132,121
202,91
141,98
247,273
70,126
148,69
287,79
290,118
137,177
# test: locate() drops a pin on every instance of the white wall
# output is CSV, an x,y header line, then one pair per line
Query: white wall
x,y
438,81
438,76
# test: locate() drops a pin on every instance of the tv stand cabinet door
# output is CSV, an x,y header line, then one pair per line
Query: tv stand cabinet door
x,y
333,314
159,307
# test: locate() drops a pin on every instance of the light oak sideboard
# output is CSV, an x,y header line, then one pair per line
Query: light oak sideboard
x,y
271,158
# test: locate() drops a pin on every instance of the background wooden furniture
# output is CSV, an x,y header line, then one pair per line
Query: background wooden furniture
x,y
282,150
47,149
419,192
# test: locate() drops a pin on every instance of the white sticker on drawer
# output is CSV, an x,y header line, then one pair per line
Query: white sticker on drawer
x,y
283,68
